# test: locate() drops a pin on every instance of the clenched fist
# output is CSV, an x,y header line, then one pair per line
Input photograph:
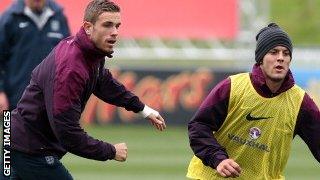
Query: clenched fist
x,y
121,152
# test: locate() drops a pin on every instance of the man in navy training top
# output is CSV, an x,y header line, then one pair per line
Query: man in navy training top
x,y
29,30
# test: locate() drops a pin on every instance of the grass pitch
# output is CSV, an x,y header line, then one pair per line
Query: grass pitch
x,y
164,155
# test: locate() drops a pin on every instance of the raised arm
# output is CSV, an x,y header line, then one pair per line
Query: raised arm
x,y
112,91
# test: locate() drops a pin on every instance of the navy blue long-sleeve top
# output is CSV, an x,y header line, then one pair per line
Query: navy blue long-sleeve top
x,y
25,42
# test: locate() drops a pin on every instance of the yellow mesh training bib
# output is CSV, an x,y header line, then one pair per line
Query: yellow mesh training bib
x,y
256,133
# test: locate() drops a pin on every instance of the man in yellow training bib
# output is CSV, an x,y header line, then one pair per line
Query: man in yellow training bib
x,y
244,128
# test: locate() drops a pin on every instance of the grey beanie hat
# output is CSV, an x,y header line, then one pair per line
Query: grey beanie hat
x,y
270,37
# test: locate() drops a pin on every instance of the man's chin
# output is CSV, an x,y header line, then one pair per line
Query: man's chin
x,y
278,78
108,51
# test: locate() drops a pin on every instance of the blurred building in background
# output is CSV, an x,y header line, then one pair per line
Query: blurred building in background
x,y
191,29
175,51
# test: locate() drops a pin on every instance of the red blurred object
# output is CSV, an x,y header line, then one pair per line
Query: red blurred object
x,y
4,4
200,19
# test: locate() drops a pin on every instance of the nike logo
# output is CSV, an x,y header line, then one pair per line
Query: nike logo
x,y
23,24
251,118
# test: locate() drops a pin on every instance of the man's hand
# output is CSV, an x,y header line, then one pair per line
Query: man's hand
x,y
157,121
154,117
121,152
4,104
229,168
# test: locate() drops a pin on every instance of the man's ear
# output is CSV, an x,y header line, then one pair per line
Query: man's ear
x,y
88,26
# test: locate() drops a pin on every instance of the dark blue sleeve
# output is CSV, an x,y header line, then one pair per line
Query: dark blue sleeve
x,y
111,91
4,46
208,119
308,125
65,26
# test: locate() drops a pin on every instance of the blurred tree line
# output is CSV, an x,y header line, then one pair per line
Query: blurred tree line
x,y
300,18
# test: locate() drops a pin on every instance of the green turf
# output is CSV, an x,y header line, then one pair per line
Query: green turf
x,y
151,155
164,155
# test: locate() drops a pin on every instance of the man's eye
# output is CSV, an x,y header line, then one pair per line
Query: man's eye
x,y
286,53
272,52
107,25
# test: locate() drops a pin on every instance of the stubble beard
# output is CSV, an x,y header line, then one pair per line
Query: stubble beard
x,y
276,79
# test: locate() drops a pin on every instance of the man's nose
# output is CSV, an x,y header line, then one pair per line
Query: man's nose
x,y
280,56
115,31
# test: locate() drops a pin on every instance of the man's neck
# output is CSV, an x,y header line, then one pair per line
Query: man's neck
x,y
37,11
274,86
41,20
